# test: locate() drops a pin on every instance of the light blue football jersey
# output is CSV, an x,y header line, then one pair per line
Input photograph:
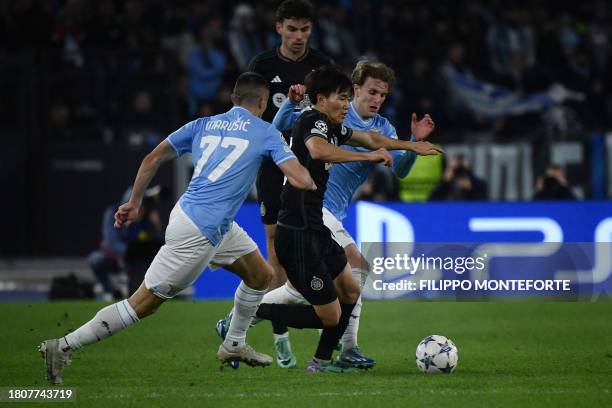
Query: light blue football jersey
x,y
227,150
345,178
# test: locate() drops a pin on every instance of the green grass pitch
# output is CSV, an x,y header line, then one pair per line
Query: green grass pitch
x,y
510,354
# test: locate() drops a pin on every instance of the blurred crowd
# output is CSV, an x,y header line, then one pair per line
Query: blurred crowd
x,y
132,71
122,67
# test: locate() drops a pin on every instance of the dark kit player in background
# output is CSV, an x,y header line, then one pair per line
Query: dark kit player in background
x,y
283,66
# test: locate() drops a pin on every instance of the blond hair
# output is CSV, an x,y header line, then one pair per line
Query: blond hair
x,y
376,70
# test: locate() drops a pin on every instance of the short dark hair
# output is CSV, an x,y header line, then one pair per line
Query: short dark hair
x,y
249,87
326,80
296,9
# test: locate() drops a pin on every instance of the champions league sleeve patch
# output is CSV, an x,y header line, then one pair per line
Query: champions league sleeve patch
x,y
320,128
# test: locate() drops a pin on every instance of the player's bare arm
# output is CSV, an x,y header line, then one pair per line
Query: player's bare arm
x,y
320,149
128,212
297,175
373,140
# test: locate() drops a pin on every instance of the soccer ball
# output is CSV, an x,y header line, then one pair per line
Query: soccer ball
x,y
437,354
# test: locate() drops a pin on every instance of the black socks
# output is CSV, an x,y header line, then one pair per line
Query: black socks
x,y
297,316
330,337
303,317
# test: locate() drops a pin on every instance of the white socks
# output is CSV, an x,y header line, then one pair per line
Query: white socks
x,y
361,276
278,337
283,295
246,302
349,338
107,322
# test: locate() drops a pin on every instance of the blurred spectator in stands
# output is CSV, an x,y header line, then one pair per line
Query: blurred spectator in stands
x,y
144,238
553,185
73,122
336,39
453,70
598,33
174,36
142,122
206,65
459,183
243,36
266,23
599,40
511,41
417,88
130,248
108,259
69,32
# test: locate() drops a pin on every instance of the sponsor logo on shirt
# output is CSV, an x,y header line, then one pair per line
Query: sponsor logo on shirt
x,y
316,283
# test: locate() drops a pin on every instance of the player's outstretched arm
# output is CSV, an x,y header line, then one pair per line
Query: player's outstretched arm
x,y
285,116
320,149
128,212
297,175
373,140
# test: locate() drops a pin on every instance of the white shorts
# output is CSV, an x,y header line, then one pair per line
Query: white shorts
x,y
187,252
339,234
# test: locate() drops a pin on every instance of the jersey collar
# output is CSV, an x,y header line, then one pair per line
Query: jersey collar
x,y
356,115
236,107
282,57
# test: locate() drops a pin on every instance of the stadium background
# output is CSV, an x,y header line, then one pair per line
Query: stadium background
x,y
90,87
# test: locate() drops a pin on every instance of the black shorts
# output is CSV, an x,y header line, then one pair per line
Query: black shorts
x,y
269,187
312,260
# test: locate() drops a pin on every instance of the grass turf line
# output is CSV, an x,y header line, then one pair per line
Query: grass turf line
x,y
510,354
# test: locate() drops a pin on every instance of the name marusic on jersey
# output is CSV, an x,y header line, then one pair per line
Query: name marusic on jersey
x,y
238,124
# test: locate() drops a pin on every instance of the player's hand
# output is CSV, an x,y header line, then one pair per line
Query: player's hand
x,y
381,156
425,148
125,215
422,128
296,93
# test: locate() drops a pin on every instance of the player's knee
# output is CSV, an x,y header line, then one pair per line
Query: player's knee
x,y
144,309
260,280
350,294
144,302
330,319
